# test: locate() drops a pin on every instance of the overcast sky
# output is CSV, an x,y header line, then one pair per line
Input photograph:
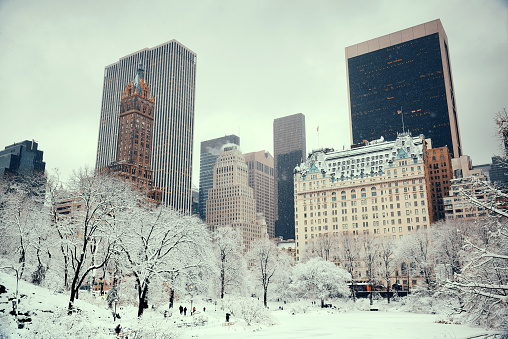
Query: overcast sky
x,y
257,61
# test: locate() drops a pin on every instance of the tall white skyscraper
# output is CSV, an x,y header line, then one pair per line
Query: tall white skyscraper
x,y
170,71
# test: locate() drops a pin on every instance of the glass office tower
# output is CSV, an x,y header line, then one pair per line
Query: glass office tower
x,y
403,81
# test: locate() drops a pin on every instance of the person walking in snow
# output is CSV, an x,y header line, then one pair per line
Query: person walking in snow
x,y
185,311
181,309
227,317
193,310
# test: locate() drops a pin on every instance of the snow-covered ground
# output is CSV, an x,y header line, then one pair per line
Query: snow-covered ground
x,y
47,311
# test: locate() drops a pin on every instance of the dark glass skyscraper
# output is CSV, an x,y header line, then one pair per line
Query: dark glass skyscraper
x,y
21,158
289,148
170,69
210,151
403,79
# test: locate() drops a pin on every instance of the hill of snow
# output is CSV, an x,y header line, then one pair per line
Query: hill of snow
x,y
47,312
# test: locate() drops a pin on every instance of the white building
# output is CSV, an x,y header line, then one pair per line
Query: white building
x,y
379,189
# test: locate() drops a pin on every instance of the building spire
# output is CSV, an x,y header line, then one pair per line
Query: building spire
x,y
139,75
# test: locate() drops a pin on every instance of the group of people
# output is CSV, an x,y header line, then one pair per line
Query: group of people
x,y
183,310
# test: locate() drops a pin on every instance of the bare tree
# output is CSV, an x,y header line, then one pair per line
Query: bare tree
x,y
228,249
326,247
267,262
92,237
370,257
416,253
349,257
159,243
22,223
388,263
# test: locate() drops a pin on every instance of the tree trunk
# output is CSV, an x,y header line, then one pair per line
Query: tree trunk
x,y
222,279
371,301
388,291
265,295
143,300
74,285
353,292
171,298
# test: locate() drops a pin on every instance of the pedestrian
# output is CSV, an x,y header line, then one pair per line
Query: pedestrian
x,y
227,317
181,309
193,310
185,310
203,309
118,329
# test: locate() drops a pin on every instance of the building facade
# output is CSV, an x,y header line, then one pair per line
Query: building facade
x,y
170,69
498,171
408,72
133,155
231,201
458,207
210,151
21,158
466,180
379,189
439,173
289,148
261,180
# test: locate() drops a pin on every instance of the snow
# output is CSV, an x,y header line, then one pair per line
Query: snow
x,y
95,320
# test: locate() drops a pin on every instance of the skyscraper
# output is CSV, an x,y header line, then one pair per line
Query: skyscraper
x,y
135,135
404,81
261,180
231,201
21,158
210,151
289,148
170,69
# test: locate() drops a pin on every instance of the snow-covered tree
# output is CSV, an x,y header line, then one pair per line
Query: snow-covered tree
x,y
228,249
349,257
370,257
388,263
325,247
23,224
416,255
483,279
267,263
159,243
91,235
319,278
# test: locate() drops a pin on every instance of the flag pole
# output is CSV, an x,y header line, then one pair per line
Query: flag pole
x,y
402,114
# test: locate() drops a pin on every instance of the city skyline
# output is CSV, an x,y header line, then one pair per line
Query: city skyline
x,y
268,65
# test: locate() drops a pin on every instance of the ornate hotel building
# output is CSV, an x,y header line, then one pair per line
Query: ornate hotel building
x,y
231,201
170,69
408,71
379,189
261,179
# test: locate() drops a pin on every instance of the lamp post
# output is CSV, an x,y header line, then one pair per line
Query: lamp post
x,y
191,289
114,315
